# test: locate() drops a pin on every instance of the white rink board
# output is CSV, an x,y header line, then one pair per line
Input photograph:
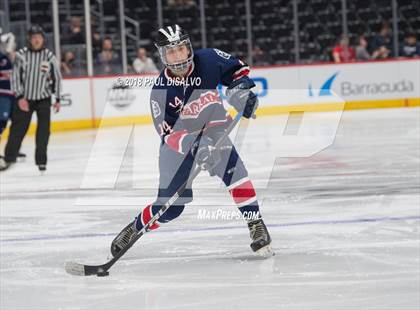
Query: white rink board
x,y
78,91
353,82
134,102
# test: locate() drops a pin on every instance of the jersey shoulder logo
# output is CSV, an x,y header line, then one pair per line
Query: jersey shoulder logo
x,y
155,108
222,54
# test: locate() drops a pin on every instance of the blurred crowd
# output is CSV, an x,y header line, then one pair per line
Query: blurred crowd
x,y
379,47
107,57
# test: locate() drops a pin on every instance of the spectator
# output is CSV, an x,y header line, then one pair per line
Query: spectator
x,y
361,49
107,60
76,34
381,45
96,43
342,52
144,64
260,57
410,47
381,53
67,64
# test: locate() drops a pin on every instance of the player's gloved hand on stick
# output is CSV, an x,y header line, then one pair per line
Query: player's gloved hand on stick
x,y
241,97
206,155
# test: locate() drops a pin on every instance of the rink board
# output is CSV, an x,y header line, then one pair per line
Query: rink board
x,y
88,102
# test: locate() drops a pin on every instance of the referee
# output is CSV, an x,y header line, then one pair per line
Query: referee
x,y
36,76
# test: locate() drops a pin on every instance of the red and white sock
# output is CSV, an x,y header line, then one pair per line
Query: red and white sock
x,y
145,217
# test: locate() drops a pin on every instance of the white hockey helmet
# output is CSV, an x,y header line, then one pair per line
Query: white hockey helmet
x,y
169,37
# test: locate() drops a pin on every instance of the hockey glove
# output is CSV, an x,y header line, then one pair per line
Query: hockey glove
x,y
241,97
206,155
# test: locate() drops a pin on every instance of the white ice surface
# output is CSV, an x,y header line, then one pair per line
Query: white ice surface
x,y
344,224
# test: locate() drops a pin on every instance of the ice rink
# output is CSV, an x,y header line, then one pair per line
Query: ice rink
x,y
344,223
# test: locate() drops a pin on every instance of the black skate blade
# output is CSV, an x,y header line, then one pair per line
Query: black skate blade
x,y
77,269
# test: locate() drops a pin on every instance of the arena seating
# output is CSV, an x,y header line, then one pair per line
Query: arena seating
x,y
320,23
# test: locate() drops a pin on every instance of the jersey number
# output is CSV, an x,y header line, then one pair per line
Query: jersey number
x,y
164,128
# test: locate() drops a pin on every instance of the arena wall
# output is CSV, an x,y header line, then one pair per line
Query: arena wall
x,y
91,102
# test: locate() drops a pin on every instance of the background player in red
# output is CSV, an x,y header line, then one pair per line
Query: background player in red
x,y
189,117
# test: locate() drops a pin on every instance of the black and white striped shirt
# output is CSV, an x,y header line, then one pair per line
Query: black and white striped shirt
x,y
36,74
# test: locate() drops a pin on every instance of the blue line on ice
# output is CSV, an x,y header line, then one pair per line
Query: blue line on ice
x,y
325,222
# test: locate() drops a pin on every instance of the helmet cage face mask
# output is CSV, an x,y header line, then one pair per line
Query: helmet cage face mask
x,y
178,66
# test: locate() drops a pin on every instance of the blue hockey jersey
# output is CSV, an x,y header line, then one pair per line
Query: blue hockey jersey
x,y
5,76
181,108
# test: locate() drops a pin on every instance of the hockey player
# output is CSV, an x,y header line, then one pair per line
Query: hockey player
x,y
189,116
7,96
7,48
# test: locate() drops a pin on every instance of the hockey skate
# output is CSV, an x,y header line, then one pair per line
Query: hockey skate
x,y
123,238
21,156
42,169
260,238
4,165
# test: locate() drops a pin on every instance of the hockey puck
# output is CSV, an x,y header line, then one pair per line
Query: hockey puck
x,y
103,274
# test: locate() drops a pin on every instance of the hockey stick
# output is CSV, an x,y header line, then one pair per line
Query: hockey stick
x,y
102,270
